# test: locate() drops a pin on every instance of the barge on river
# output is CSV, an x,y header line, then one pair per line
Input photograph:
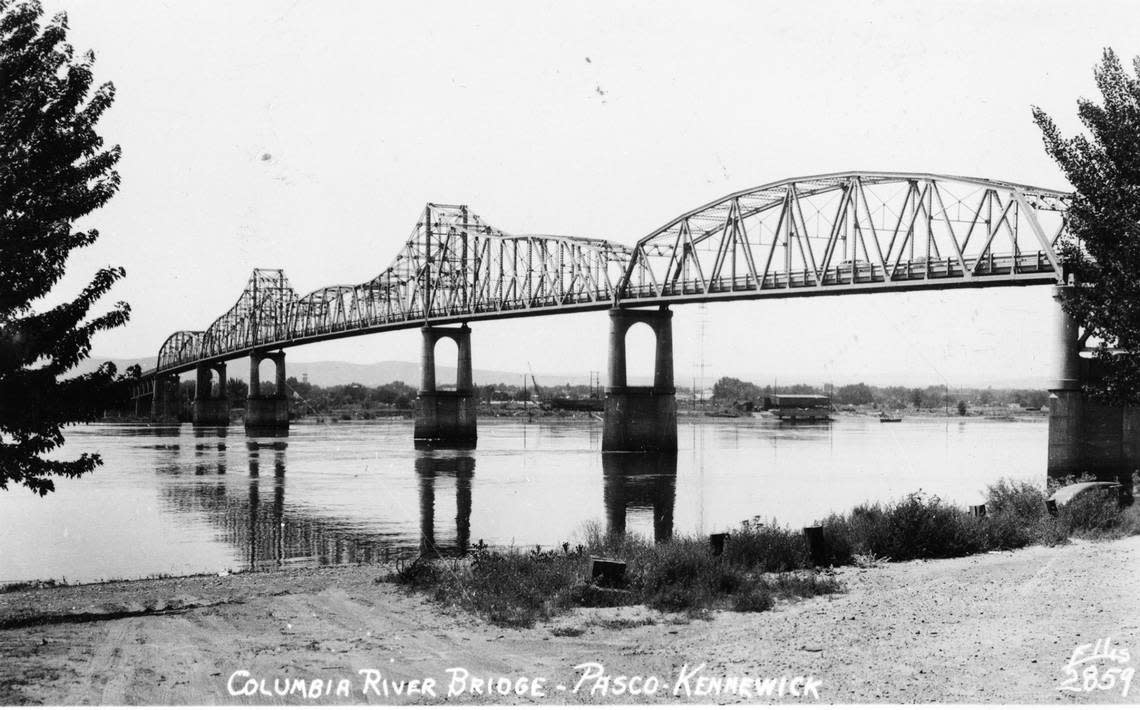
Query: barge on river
x,y
799,407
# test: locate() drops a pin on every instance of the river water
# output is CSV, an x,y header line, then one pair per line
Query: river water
x,y
177,501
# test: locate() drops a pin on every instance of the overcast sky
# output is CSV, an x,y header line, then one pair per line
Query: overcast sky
x,y
571,118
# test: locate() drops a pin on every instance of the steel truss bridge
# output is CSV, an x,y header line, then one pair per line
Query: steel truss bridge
x,y
855,232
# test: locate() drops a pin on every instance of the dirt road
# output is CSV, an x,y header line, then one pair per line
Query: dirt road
x,y
985,629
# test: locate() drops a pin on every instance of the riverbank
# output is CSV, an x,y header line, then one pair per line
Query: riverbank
x,y
996,627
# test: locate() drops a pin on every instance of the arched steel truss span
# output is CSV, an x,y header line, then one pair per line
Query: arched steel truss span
x,y
817,235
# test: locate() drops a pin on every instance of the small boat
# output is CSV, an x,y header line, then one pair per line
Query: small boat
x,y
886,418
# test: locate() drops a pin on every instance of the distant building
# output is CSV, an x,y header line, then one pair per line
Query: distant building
x,y
809,407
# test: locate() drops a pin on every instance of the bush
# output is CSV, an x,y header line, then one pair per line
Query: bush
x,y
1094,512
508,588
913,528
755,599
1019,499
770,547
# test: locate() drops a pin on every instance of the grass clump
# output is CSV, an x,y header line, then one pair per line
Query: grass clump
x,y
767,546
511,589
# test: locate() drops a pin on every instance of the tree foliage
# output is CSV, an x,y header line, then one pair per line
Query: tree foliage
x,y
1103,251
54,171
730,389
854,394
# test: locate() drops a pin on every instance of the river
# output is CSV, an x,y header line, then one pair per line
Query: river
x,y
173,500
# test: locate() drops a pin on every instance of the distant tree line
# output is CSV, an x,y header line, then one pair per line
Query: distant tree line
x,y
313,398
730,389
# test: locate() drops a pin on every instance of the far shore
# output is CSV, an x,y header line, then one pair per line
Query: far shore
x,y
997,627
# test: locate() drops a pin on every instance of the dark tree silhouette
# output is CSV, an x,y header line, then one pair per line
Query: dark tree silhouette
x,y
53,171
1103,253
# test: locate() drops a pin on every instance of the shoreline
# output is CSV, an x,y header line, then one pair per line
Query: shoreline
x,y
995,627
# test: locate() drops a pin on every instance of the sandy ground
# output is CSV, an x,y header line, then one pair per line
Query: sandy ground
x,y
986,629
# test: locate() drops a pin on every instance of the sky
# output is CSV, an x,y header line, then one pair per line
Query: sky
x,y
308,135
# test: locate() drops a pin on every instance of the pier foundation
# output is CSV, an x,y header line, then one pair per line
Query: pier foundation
x,y
640,418
166,400
446,417
211,409
267,414
1087,436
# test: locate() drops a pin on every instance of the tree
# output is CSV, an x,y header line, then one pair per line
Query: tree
x,y
54,170
237,390
1103,251
854,394
730,389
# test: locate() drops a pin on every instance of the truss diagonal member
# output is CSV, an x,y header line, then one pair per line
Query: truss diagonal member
x,y
772,248
836,226
871,224
749,259
950,231
1035,227
994,228
806,254
910,236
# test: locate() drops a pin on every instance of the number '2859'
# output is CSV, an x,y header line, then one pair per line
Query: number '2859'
x,y
1091,678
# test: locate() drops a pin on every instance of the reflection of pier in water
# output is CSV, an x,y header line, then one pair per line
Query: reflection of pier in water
x,y
639,482
267,535
430,467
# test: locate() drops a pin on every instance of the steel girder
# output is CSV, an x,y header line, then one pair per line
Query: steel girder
x,y
851,231
454,265
836,233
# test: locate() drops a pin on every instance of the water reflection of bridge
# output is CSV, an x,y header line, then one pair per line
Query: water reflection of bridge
x,y
251,515
254,520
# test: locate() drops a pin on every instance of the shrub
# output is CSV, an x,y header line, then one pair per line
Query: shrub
x,y
1093,512
914,527
805,584
1006,531
770,547
1021,500
757,598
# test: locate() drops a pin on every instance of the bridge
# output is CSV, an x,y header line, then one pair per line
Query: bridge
x,y
841,233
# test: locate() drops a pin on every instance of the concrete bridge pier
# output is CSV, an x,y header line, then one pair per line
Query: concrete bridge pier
x,y
1066,402
446,417
211,409
641,418
267,414
166,400
1087,436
